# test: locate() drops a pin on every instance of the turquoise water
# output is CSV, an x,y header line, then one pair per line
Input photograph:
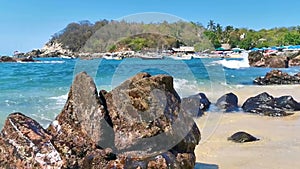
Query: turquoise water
x,y
39,89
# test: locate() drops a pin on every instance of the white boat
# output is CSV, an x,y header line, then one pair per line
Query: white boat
x,y
66,57
149,57
181,57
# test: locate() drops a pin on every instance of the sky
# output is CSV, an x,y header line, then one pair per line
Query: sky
x,y
29,24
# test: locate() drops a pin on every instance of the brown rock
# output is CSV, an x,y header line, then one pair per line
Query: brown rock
x,y
295,61
25,144
139,124
149,114
275,62
82,125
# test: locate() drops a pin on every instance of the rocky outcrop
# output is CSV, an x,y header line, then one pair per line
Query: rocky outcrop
x,y
277,77
284,60
228,102
265,104
196,104
51,49
139,124
12,59
242,137
257,59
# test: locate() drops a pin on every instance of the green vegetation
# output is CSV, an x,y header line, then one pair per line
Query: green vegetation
x,y
248,38
120,35
113,36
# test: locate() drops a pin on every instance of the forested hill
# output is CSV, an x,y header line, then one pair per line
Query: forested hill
x,y
106,35
113,36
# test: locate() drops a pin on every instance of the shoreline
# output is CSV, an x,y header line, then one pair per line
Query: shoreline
x,y
279,144
244,92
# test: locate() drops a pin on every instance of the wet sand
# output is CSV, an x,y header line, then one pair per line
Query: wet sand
x,y
279,145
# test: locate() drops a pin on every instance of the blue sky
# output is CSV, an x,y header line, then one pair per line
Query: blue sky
x,y
29,24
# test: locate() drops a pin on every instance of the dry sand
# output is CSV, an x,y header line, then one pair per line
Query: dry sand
x,y
279,145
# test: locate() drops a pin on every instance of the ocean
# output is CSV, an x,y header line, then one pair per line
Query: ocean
x,y
39,89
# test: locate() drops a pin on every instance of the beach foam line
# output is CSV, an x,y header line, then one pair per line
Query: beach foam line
x,y
60,100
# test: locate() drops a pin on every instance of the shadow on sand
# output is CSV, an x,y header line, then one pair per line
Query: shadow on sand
x,y
206,166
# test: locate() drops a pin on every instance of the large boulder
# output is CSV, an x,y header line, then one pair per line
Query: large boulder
x,y
25,144
196,104
147,118
228,102
255,57
258,59
139,124
277,77
265,104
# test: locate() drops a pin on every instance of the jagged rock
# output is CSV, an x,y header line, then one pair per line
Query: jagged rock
x,y
195,104
83,124
242,137
25,144
228,102
266,104
139,124
277,77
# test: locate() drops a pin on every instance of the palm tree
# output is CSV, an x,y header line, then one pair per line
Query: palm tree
x,y
211,25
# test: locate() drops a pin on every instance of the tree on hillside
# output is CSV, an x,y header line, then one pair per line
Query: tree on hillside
x,y
211,25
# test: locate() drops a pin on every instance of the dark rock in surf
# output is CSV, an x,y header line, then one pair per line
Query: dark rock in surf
x,y
195,104
228,102
265,104
242,137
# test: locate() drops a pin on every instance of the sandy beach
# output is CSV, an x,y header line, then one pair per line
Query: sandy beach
x,y
279,144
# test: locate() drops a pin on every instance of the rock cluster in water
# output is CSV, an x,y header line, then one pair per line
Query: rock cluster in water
x,y
11,59
277,77
139,124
